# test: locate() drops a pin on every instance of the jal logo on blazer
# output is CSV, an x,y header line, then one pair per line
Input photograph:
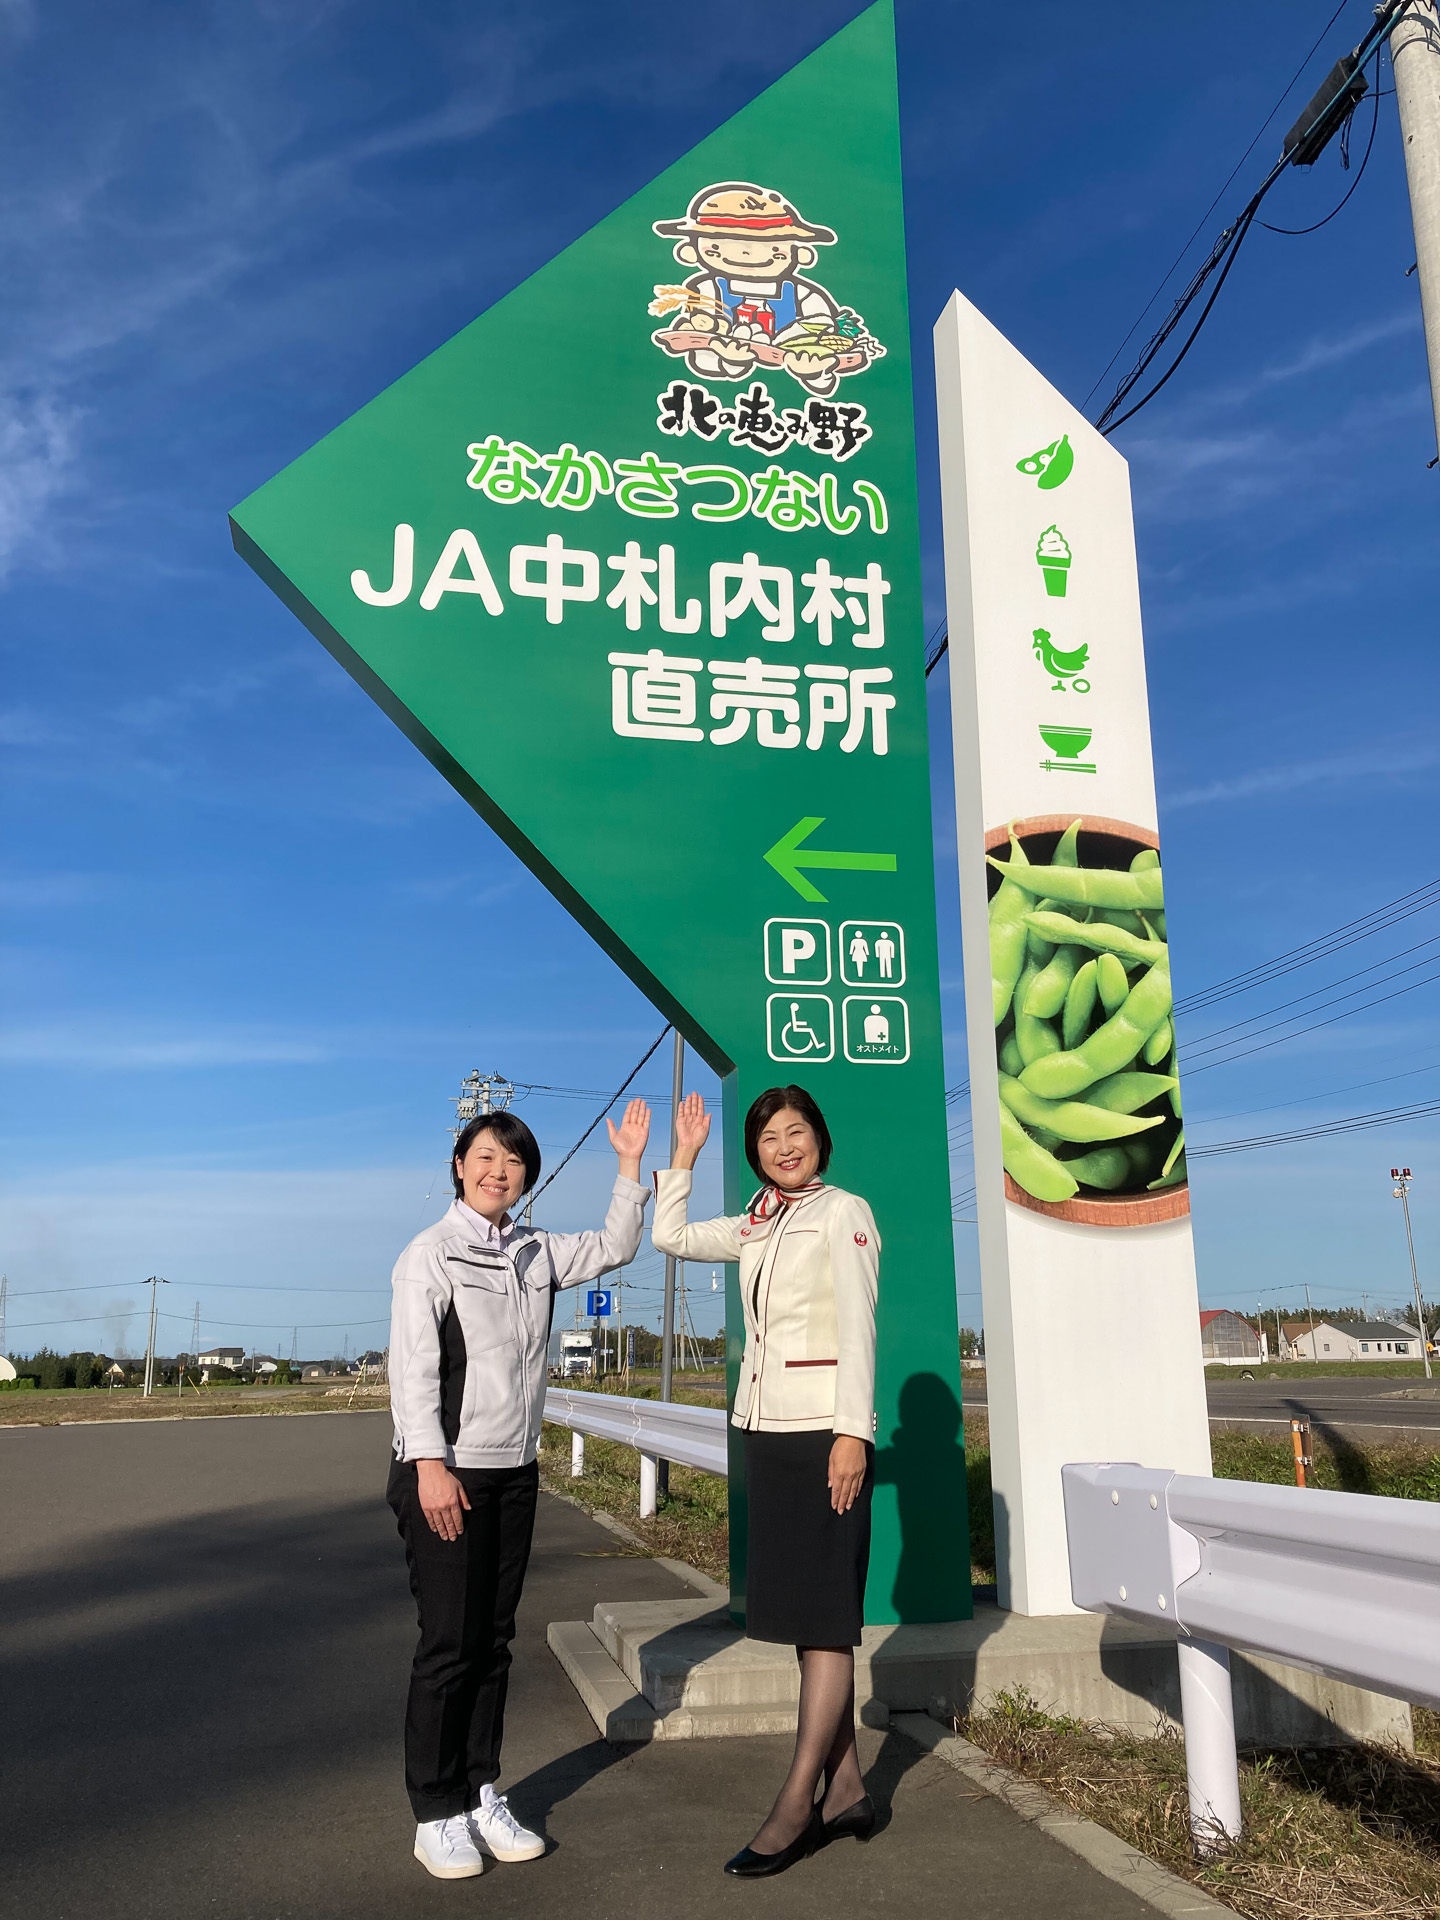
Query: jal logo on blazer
x,y
862,1239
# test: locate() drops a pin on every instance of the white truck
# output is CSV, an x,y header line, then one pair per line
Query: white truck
x,y
577,1353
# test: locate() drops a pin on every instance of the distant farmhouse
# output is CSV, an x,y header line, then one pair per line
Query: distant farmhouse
x,y
1356,1340
232,1357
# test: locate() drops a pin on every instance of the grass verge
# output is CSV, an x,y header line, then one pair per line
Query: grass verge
x,y
1329,1835
66,1406
693,1524
1301,1370
1403,1472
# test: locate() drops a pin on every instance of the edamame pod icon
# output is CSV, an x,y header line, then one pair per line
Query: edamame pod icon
x,y
1051,465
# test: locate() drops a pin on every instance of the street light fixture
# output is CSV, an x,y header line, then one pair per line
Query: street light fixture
x,y
1401,1176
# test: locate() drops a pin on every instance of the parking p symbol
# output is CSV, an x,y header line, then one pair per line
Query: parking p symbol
x,y
797,952
796,944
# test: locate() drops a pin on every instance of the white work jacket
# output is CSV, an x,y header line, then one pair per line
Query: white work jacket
x,y
470,1321
808,1282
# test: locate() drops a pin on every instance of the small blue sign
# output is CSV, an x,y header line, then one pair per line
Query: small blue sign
x,y
600,1301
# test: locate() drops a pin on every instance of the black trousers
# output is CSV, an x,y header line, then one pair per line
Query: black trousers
x,y
466,1593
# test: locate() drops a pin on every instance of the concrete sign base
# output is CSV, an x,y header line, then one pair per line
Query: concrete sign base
x,y
681,1670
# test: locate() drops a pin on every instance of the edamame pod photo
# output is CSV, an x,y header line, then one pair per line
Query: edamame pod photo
x,y
1084,1029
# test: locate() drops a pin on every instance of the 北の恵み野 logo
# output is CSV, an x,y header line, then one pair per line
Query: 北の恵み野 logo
x,y
747,308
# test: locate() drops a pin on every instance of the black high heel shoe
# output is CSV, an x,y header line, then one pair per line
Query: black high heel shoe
x,y
859,1820
749,1865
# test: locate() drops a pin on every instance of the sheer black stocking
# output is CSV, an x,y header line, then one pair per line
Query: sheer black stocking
x,y
824,1745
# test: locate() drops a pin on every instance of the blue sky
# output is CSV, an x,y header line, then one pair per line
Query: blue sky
x,y
253,942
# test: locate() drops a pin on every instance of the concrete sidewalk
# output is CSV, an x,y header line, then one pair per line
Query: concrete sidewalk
x,y
205,1631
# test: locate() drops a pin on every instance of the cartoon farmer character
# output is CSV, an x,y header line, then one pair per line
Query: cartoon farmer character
x,y
748,305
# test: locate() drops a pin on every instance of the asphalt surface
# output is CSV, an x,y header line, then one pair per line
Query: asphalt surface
x,y
1398,1406
205,1631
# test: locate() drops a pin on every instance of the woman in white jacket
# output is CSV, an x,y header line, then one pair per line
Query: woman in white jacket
x,y
473,1298
809,1260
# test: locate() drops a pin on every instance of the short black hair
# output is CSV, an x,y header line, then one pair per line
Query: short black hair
x,y
773,1101
511,1132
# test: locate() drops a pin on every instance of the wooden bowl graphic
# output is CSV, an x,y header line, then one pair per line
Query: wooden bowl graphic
x,y
1103,843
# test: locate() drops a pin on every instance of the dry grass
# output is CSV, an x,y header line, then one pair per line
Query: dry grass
x,y
1330,1835
67,1407
693,1524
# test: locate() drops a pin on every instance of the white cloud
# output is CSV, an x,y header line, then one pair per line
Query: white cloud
x,y
38,890
1383,760
107,1050
23,727
38,442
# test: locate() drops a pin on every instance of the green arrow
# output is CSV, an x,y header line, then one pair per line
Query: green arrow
x,y
787,858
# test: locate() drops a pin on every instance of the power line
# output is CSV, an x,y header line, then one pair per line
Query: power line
x,y
1327,1093
1323,120
1320,948
1353,1123
1165,279
601,1115
1192,1047
247,1326
1265,1046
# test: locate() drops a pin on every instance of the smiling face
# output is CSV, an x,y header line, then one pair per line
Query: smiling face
x,y
751,256
788,1152
493,1176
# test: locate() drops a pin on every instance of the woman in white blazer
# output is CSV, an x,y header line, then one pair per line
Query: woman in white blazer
x,y
809,1260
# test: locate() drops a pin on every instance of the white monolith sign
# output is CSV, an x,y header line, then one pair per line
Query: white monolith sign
x,y
1092,1335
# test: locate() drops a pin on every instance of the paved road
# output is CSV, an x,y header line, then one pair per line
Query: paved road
x,y
204,1636
1326,1400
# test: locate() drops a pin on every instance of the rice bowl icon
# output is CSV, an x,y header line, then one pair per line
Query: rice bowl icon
x,y
1067,744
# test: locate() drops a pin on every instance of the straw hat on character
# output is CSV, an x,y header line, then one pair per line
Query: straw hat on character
x,y
747,304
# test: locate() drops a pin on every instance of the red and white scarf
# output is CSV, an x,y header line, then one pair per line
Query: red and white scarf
x,y
772,1200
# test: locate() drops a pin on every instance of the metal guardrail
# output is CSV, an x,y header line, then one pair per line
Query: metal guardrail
x,y
1345,1584
660,1429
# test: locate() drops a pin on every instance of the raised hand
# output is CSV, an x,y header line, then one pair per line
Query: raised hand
x,y
692,1130
629,1138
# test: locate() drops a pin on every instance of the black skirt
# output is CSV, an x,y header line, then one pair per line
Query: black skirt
x,y
806,1564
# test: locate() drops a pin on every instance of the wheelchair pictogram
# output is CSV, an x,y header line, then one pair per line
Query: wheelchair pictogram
x,y
800,1027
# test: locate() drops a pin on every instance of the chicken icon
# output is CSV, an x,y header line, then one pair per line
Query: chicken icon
x,y
1064,665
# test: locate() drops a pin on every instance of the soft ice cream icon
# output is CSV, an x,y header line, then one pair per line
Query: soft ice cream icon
x,y
1052,556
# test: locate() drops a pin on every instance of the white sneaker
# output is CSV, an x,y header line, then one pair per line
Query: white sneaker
x,y
499,1832
447,1848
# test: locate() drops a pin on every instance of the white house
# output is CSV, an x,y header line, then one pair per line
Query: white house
x,y
222,1357
1352,1340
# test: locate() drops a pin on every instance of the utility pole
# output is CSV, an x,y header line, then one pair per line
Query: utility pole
x,y
667,1323
153,1282
480,1093
1401,1177
1311,1311
1415,57
4,1289
667,1337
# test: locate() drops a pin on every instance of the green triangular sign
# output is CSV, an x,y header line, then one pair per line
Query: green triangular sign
x,y
633,560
